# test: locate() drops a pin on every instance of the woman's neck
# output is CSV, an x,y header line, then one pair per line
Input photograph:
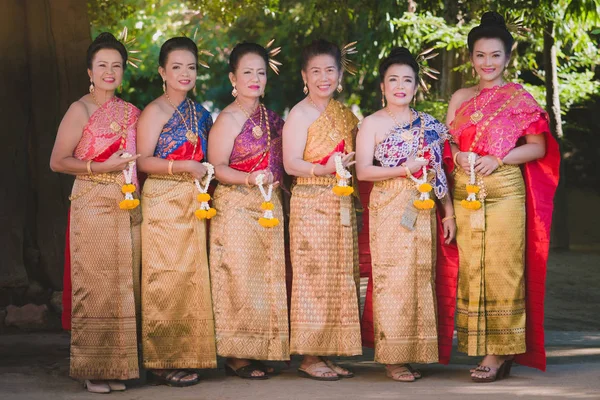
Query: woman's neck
x,y
489,84
176,96
101,96
248,103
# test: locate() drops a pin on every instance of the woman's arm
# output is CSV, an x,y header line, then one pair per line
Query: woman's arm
x,y
449,219
533,149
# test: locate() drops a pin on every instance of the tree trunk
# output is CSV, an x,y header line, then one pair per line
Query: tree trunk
x,y
560,227
47,41
451,81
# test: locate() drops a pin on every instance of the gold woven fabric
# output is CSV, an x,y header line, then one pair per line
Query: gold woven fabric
x,y
324,310
491,281
403,261
335,124
105,256
177,317
247,269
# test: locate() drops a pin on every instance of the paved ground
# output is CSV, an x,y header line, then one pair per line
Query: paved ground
x,y
35,366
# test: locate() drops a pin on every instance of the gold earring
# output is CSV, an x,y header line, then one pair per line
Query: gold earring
x,y
194,91
262,95
382,99
234,92
473,71
340,88
164,86
120,88
305,89
92,88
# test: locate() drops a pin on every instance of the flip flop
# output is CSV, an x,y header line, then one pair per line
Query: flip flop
x,y
312,370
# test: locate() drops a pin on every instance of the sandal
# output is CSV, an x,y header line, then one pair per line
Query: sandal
x,y
116,386
342,372
246,371
316,371
174,377
416,373
492,374
400,373
267,369
96,387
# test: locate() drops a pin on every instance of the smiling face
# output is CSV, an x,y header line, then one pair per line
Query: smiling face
x,y
107,69
489,59
250,77
322,76
399,84
180,70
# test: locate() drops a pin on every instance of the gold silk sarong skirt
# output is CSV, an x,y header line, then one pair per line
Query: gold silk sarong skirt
x,y
324,309
177,317
491,280
247,269
105,262
403,261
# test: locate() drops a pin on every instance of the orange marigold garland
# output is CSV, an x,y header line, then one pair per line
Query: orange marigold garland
x,y
205,211
267,220
471,202
129,203
343,176
424,202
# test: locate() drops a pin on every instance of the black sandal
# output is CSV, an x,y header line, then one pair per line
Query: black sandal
x,y
265,368
173,377
246,371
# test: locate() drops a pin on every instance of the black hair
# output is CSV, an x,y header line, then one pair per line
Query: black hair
x,y
241,49
492,26
319,47
402,56
176,43
105,40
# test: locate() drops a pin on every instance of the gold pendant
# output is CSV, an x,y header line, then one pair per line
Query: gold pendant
x,y
476,117
191,137
115,127
257,132
407,136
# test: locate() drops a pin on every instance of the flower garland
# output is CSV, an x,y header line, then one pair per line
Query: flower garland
x,y
267,220
129,203
471,202
343,175
424,202
205,211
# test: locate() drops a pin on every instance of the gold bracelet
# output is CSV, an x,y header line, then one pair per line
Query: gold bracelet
x,y
448,217
406,171
170,168
88,165
248,180
455,157
500,163
312,170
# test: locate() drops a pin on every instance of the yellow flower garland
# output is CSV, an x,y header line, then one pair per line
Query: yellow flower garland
x,y
267,220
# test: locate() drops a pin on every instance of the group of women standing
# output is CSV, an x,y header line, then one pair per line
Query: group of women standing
x,y
149,272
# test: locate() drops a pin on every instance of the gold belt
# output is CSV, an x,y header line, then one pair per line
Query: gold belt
x,y
317,180
394,183
105,178
182,177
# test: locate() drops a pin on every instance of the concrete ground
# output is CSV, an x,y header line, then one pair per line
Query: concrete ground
x,y
35,366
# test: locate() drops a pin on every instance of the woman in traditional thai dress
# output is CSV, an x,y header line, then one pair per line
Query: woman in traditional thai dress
x,y
96,142
318,140
503,211
177,318
400,150
247,254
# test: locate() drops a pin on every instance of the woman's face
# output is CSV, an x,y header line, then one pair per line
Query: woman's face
x,y
489,59
322,76
399,85
250,77
180,70
107,69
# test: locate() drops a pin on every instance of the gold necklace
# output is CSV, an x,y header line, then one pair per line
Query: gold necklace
x,y
114,125
189,134
478,114
407,135
334,133
257,131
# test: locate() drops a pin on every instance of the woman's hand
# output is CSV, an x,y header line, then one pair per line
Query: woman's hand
x,y
486,165
196,169
267,179
462,159
330,166
449,230
415,165
114,163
